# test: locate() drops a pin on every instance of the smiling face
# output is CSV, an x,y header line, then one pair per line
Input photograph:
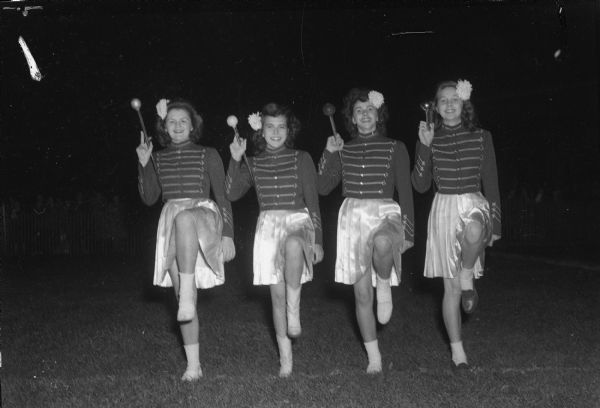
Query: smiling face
x,y
365,116
275,131
179,125
449,106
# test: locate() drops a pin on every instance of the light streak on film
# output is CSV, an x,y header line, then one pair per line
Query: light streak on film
x,y
34,71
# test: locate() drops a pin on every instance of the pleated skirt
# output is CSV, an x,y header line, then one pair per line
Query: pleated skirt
x,y
359,220
272,229
209,270
447,219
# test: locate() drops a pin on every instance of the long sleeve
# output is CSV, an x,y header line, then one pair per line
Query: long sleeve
x,y
422,171
217,185
330,172
308,177
238,180
148,184
405,197
489,178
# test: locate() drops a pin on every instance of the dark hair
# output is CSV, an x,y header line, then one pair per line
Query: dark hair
x,y
467,116
197,123
362,94
293,124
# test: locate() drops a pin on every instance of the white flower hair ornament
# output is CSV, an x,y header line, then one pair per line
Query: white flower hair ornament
x,y
376,98
161,108
464,89
255,121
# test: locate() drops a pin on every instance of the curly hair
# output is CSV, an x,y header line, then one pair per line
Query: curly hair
x,y
293,124
197,123
362,94
467,116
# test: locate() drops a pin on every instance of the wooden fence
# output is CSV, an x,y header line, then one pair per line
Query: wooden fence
x,y
101,232
81,233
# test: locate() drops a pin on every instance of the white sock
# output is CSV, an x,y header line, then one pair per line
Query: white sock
x,y
384,300
187,297
466,278
285,356
458,353
193,370
293,310
374,356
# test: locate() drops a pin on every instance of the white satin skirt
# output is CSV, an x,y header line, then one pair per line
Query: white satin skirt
x,y
272,229
209,269
447,219
358,222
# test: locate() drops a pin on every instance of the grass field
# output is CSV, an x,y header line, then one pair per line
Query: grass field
x,y
94,333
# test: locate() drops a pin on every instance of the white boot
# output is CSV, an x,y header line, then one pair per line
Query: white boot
x,y
193,371
285,356
384,300
293,311
187,297
459,358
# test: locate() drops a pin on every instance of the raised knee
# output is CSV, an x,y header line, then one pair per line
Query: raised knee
x,y
382,244
293,245
474,232
183,218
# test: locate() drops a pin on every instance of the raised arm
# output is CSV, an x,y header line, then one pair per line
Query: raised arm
x,y
330,165
489,178
422,171
238,180
308,176
216,175
330,172
148,184
239,177
405,198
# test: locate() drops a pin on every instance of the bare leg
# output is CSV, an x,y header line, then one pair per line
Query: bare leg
x,y
294,265
363,296
190,334
452,318
187,247
450,308
280,322
278,305
382,261
472,246
189,330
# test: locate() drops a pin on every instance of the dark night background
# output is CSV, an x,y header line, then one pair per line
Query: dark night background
x,y
75,130
82,324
